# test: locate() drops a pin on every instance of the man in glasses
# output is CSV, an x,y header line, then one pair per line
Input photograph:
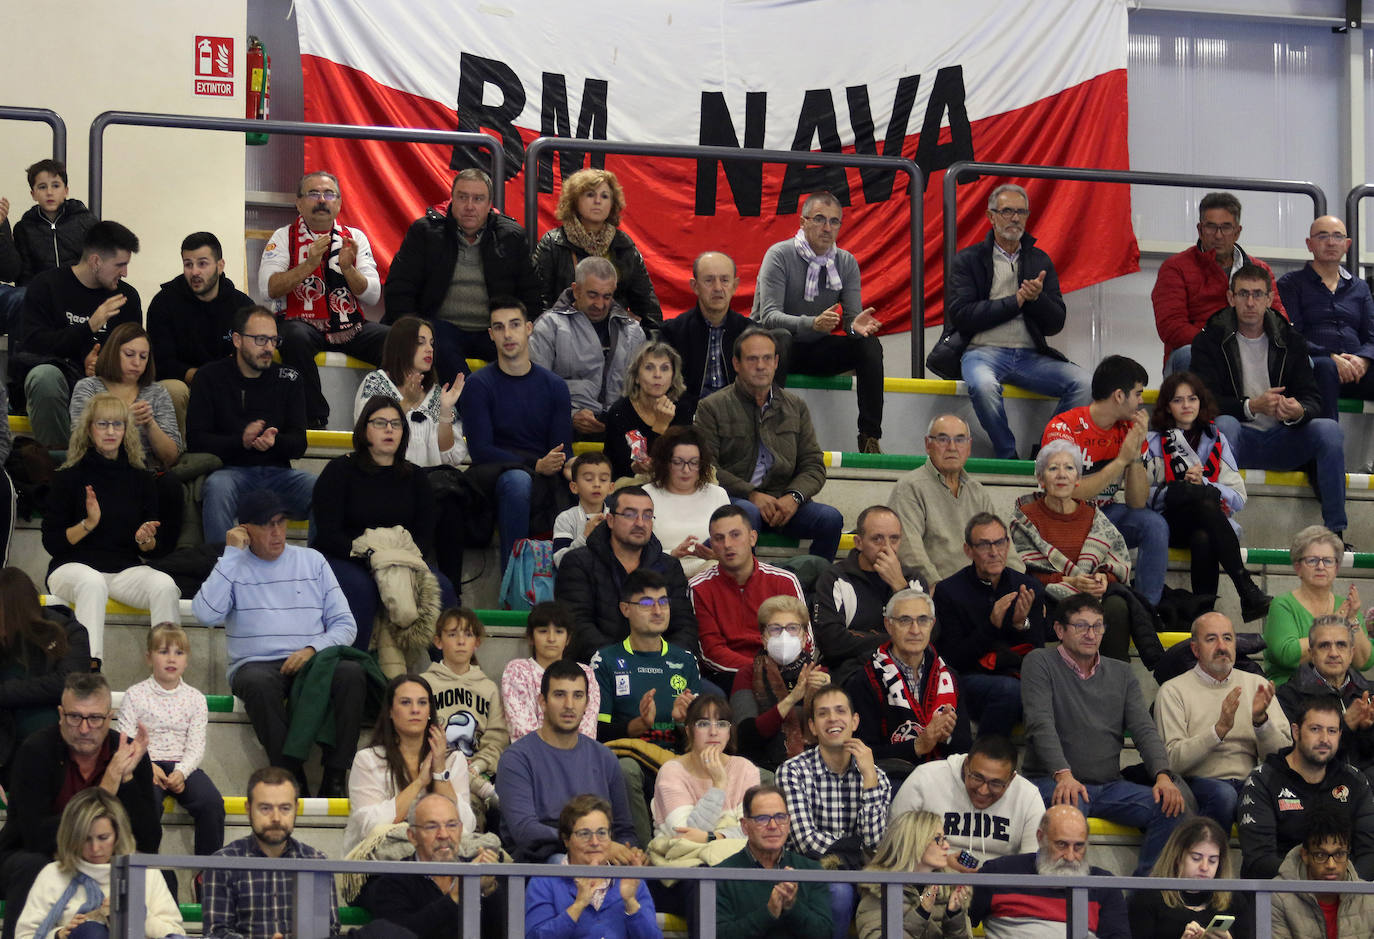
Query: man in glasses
x,y
758,909
808,289
1001,300
1192,285
852,593
57,762
1330,673
1323,856
1079,706
990,618
591,579
1257,367
1334,311
68,313
318,275
935,501
989,809
647,684
249,412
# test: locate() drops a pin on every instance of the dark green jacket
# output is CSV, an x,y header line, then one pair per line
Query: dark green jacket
x,y
742,905
729,420
310,706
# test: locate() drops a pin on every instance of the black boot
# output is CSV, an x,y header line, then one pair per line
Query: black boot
x,y
334,784
1254,602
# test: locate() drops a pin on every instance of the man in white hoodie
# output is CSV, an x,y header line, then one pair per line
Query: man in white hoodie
x,y
989,809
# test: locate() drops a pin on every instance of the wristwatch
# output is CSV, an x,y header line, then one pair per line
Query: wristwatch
x,y
445,776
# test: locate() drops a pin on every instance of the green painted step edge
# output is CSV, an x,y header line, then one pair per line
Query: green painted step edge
x,y
821,382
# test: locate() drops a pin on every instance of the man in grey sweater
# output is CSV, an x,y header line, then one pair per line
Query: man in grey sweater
x,y
807,287
1077,706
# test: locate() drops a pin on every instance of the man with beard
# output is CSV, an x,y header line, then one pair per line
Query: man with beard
x,y
1218,721
261,903
1279,794
1006,913
429,906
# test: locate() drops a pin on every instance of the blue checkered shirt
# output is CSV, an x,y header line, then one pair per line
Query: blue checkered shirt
x,y
825,807
256,904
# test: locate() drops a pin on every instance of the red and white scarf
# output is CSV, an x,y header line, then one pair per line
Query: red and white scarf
x,y
937,689
324,299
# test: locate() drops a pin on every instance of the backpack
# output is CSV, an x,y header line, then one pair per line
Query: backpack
x,y
529,576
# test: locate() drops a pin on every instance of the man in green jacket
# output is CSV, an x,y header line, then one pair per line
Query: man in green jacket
x,y
758,909
767,457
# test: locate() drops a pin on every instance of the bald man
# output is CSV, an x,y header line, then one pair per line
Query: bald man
x,y
705,335
1334,311
1063,852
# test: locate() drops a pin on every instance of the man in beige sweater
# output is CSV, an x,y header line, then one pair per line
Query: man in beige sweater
x,y
1197,712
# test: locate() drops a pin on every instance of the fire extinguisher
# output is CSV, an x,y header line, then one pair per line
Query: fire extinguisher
x,y
259,97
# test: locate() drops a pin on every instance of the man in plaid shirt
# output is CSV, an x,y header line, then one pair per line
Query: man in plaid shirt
x,y
837,797
261,904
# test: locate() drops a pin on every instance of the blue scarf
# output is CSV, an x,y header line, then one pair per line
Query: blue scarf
x,y
94,897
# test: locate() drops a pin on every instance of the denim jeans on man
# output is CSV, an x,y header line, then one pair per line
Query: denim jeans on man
x,y
1125,803
985,368
1287,448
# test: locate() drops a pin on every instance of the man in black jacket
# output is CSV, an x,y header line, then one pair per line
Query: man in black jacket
x,y
451,263
590,578
190,319
249,412
1003,299
1330,674
705,335
1257,367
56,763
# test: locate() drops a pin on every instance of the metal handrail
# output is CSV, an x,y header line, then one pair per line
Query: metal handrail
x,y
45,116
1352,225
289,129
915,191
314,880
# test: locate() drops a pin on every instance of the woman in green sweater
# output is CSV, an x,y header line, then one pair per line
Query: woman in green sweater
x,y
1316,554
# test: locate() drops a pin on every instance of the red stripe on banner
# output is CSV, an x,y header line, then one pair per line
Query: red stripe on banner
x,y
1086,228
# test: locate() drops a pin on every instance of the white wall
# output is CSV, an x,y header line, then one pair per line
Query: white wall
x,y
81,59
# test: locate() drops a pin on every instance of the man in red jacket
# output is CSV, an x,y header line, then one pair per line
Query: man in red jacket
x,y
1192,284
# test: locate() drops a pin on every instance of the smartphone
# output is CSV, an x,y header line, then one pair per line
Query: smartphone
x,y
1221,922
966,859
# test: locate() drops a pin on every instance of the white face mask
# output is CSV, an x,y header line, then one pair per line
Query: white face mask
x,y
784,649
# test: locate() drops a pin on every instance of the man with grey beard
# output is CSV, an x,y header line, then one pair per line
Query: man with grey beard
x,y
1063,852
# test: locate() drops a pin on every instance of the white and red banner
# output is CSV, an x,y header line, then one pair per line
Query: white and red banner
x,y
992,80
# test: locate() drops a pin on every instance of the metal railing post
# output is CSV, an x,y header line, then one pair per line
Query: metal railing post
x,y
515,905
290,129
915,191
472,906
128,900
1352,225
893,908
1076,910
45,116
706,909
314,899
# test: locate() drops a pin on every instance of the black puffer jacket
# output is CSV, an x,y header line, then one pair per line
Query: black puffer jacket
x,y
44,245
555,264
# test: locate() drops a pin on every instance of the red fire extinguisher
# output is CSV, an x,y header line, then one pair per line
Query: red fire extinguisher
x,y
259,97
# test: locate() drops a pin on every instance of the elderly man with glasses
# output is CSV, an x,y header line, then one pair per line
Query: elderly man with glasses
x,y
249,412
1001,301
1079,705
760,909
57,762
990,618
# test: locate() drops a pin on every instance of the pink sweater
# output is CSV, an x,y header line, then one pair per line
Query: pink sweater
x,y
520,694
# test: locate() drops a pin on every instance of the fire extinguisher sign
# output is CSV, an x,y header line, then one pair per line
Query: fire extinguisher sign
x,y
215,66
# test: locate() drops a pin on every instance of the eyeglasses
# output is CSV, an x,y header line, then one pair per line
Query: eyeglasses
x,y
648,603
108,425
824,221
944,440
979,781
987,545
1225,229
773,630
261,341
778,818
1251,294
1317,562
1323,857
906,622
711,725
1324,236
76,720
1008,215
454,827
679,463
321,195
1082,627
630,515
382,423
587,834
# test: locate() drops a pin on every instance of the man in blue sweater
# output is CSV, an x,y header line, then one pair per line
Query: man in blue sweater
x,y
280,605
518,421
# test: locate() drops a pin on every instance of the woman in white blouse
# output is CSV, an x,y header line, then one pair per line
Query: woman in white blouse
x,y
685,494
407,375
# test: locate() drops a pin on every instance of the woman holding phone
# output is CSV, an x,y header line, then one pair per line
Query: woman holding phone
x,y
1199,849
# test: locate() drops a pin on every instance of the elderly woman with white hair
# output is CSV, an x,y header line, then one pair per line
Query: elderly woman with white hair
x,y
1070,546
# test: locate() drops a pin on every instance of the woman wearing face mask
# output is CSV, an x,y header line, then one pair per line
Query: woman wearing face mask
x,y
770,698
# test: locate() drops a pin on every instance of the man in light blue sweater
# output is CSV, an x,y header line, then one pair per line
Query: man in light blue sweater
x,y
280,605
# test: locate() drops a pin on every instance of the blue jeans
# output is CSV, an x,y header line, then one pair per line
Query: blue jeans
x,y
842,901
224,486
1287,448
993,700
1329,384
514,490
359,588
1146,530
1125,803
985,368
1180,360
203,802
1216,798
815,520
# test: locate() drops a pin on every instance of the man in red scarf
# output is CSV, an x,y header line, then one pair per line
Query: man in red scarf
x,y
317,275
